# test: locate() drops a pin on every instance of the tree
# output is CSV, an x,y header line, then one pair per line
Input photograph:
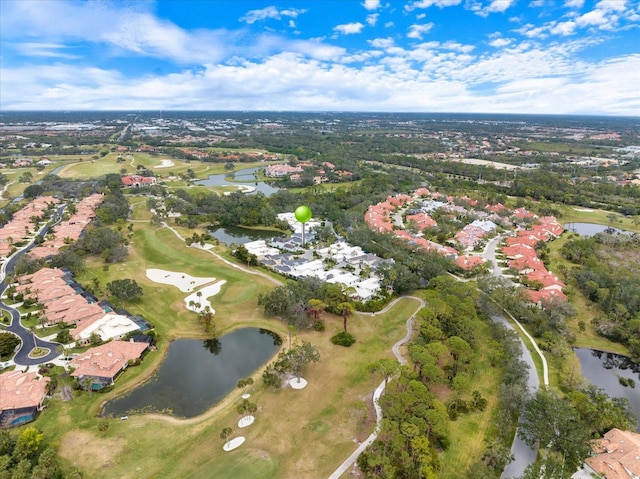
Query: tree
x,y
64,336
8,343
345,309
125,289
294,360
551,422
28,443
387,367
225,433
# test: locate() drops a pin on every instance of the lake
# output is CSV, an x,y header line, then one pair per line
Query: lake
x,y
237,235
245,176
197,374
590,229
603,370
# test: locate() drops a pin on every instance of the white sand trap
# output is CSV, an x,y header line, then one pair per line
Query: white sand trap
x,y
298,383
234,443
182,281
586,210
207,292
165,164
246,421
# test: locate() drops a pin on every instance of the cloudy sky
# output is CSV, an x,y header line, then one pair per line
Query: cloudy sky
x,y
501,56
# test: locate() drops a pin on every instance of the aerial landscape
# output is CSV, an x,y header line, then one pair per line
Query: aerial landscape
x,y
322,239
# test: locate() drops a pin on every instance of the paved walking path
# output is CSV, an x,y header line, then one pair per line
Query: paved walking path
x,y
379,390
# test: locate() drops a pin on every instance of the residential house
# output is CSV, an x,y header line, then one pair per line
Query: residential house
x,y
21,397
616,456
136,181
98,367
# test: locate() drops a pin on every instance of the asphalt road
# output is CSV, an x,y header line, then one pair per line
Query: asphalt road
x,y
29,340
522,453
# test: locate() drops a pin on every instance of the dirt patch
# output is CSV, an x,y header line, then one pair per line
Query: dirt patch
x,y
441,391
89,452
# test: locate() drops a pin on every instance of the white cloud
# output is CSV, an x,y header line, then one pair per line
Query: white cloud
x,y
389,25
524,78
349,28
431,3
39,49
594,17
563,28
372,19
371,4
574,4
617,5
416,31
495,6
253,16
381,42
500,42
537,3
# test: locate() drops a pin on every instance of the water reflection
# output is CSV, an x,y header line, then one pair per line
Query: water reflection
x,y
611,372
590,229
197,374
277,340
213,345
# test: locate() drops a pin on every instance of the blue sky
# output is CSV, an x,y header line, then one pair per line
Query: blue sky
x,y
497,56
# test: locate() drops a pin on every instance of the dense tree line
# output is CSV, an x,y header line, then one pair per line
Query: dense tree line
x,y
606,277
564,426
26,455
416,425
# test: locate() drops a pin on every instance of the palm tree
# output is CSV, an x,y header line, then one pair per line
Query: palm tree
x,y
345,310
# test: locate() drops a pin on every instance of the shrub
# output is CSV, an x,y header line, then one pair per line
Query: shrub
x,y
343,339
319,325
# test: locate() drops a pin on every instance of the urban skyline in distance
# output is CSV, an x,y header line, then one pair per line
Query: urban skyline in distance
x,y
575,57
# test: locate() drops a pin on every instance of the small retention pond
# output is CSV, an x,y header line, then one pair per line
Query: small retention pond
x,y
197,374
608,371
238,235
246,176
590,229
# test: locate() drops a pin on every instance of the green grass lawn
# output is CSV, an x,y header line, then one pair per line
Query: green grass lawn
x,y
289,424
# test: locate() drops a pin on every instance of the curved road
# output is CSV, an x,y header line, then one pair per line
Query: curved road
x,y
523,454
29,339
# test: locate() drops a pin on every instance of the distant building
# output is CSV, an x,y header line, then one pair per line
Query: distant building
x,y
136,181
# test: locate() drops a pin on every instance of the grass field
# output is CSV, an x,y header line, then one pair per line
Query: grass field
x,y
303,433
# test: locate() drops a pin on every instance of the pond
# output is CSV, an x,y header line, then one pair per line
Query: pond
x,y
590,229
237,235
604,370
197,374
245,176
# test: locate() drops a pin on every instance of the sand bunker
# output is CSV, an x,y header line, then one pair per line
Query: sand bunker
x,y
182,281
235,442
165,164
201,299
246,421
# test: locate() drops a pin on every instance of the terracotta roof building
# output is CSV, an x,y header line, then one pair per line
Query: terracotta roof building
x,y
101,365
617,456
21,396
